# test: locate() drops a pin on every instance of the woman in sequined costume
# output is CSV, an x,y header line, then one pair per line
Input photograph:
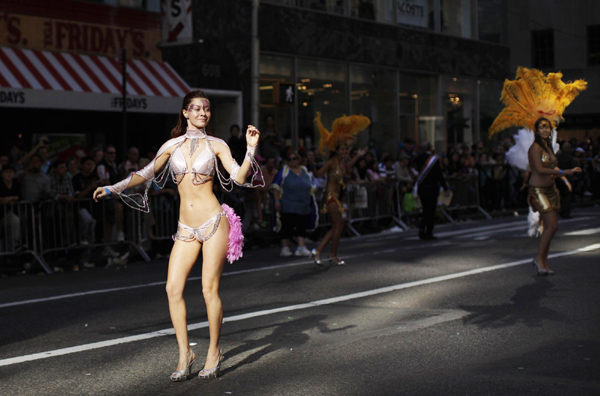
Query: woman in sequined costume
x,y
205,225
336,168
543,195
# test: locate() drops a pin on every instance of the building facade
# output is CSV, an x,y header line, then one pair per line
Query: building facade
x,y
416,68
561,35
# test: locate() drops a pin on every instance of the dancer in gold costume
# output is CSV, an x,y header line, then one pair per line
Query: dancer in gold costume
x,y
536,101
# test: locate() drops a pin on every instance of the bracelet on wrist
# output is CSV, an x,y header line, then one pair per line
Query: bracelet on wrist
x,y
107,190
560,172
250,151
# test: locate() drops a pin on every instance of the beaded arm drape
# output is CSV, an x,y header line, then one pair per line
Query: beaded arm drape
x,y
159,176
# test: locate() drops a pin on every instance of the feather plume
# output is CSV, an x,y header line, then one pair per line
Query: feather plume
x,y
342,132
532,95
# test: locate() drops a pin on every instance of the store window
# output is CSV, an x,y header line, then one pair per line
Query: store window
x,y
593,40
458,101
456,17
276,76
542,44
373,93
491,23
322,87
489,105
419,122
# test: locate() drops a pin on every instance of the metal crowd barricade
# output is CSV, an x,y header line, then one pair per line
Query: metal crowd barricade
x,y
18,231
161,222
465,196
71,225
373,201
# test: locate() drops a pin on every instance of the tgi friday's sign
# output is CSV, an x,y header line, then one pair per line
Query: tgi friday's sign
x,y
36,32
69,100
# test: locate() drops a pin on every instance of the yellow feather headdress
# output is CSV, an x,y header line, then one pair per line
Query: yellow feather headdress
x,y
343,130
532,95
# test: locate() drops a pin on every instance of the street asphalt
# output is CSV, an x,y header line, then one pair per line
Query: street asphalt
x,y
460,315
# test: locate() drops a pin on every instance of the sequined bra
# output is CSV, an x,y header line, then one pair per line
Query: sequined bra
x,y
203,163
547,162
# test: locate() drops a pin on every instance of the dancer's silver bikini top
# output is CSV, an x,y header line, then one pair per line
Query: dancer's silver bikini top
x,y
202,164
202,170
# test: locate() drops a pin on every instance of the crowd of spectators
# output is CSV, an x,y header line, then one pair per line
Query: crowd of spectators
x,y
36,176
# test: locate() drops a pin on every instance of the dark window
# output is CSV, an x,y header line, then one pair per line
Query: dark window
x,y
593,37
543,48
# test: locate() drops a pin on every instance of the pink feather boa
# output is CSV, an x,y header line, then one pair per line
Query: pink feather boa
x,y
236,237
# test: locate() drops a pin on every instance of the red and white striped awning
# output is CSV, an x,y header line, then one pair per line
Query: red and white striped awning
x,y
61,71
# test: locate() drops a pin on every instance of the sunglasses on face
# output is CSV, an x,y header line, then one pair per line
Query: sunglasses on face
x,y
293,158
111,152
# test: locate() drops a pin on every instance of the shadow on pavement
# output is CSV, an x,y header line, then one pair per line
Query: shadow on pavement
x,y
289,334
524,308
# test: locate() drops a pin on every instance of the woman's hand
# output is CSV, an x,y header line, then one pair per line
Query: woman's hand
x,y
99,193
363,151
570,172
252,136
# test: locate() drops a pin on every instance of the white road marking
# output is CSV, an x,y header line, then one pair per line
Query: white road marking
x,y
115,289
249,315
494,229
589,231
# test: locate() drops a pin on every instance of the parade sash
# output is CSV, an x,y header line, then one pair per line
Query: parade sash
x,y
424,172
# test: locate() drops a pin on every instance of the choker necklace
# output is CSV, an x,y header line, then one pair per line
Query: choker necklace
x,y
194,134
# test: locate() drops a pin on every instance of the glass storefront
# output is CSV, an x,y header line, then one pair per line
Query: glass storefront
x,y
322,87
274,72
459,105
419,119
442,110
489,106
374,96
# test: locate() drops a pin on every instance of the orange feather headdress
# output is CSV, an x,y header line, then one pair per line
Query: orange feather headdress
x,y
342,132
532,95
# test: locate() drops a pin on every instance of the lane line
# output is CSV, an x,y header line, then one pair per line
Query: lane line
x,y
193,278
312,304
521,227
589,231
490,230
159,283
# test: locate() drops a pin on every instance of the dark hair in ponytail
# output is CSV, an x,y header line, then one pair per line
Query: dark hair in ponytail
x,y
540,140
181,125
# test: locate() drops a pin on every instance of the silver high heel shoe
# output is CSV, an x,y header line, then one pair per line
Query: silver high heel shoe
x,y
337,261
540,271
182,375
316,256
213,372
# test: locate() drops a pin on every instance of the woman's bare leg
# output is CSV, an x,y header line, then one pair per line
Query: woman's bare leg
x,y
214,254
182,259
333,209
550,221
336,231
